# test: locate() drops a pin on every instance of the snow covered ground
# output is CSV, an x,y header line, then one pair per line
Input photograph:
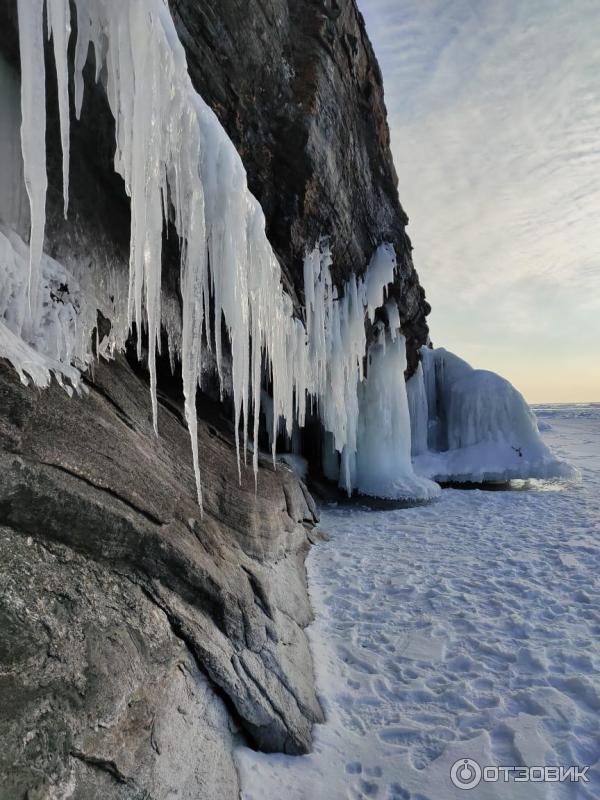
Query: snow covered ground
x,y
469,628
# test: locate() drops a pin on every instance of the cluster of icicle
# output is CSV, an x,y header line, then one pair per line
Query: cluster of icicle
x,y
178,163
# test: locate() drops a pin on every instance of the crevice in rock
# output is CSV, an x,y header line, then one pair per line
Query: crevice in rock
x,y
121,414
104,764
180,634
242,672
111,492
260,596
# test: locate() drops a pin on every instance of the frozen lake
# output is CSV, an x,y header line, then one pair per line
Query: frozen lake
x,y
469,628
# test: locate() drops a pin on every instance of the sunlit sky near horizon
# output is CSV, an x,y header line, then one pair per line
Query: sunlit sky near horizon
x,y
494,111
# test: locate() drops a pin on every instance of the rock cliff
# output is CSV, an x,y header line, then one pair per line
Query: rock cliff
x,y
140,641
299,91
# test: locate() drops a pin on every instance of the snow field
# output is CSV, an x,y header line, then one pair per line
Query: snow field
x,y
469,628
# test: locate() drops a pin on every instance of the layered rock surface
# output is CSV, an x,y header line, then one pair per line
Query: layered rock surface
x,y
117,602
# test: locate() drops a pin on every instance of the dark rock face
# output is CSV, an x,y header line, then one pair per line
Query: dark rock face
x,y
297,87
116,596
100,699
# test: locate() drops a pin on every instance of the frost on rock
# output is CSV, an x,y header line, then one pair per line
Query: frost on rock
x,y
58,340
480,427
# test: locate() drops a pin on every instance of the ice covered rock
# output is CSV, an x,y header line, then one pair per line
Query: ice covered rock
x,y
57,339
481,428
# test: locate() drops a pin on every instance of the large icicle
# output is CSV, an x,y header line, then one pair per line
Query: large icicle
x,y
419,412
335,327
59,27
33,131
383,465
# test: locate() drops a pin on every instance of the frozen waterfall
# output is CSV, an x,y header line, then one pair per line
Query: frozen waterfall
x,y
382,465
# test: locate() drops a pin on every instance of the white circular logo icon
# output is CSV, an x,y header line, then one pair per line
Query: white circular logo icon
x,y
465,773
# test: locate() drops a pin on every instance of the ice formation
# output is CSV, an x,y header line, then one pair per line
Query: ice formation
x,y
178,163
480,427
419,414
382,464
365,417
45,326
335,331
58,339
33,132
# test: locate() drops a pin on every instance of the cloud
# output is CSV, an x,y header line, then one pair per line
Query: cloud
x,y
494,109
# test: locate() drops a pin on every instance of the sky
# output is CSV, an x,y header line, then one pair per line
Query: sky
x,y
494,112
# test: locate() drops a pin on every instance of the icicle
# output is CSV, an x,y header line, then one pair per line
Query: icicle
x,y
380,274
59,27
383,458
33,131
393,315
170,144
335,328
419,412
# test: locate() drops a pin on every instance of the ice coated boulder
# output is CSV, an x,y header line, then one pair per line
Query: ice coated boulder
x,y
480,427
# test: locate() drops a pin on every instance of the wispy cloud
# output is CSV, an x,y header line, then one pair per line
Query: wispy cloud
x,y
494,108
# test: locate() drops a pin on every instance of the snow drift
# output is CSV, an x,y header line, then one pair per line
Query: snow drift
x,y
479,427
